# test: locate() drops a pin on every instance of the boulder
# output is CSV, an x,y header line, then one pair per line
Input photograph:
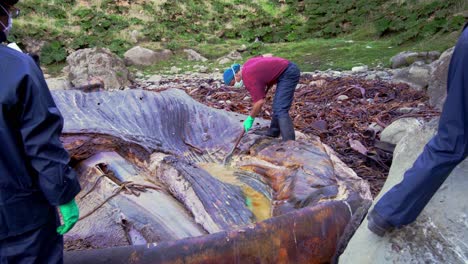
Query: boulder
x,y
440,233
398,129
416,76
407,58
140,56
194,56
437,90
85,64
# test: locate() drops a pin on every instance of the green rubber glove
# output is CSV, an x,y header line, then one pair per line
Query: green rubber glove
x,y
70,214
248,202
248,123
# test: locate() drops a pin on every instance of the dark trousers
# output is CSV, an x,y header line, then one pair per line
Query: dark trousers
x,y
285,88
405,201
39,246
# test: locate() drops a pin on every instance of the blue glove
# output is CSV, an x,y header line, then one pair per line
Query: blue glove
x,y
248,123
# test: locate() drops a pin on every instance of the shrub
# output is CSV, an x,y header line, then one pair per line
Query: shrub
x,y
53,52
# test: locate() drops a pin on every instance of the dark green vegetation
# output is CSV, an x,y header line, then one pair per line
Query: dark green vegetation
x,y
314,33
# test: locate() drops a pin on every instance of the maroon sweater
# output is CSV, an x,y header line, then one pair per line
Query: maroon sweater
x,y
258,73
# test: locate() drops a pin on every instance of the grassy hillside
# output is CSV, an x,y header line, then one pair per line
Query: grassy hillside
x,y
315,33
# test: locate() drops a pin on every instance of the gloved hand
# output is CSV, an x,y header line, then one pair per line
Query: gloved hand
x,y
70,214
248,123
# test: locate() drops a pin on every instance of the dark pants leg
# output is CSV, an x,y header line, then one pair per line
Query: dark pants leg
x,y
285,88
41,245
405,201
283,99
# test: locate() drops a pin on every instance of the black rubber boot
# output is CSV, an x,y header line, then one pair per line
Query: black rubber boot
x,y
274,130
286,128
377,224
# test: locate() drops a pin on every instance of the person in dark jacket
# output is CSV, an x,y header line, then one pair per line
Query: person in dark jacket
x,y
35,177
402,204
258,75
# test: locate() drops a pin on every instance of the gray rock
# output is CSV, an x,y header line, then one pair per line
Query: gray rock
x,y
371,77
440,233
437,89
154,78
223,61
242,48
383,75
140,56
194,56
375,127
163,55
85,64
416,76
235,56
203,69
336,73
139,74
175,70
33,45
406,110
407,58
342,97
134,35
318,83
398,129
403,59
360,68
60,83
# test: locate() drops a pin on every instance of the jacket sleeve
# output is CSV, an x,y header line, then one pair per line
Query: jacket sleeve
x,y
41,127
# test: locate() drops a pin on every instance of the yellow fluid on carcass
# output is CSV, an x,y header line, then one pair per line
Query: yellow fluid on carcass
x,y
255,201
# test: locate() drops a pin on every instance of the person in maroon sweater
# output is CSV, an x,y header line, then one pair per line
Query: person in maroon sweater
x,y
258,75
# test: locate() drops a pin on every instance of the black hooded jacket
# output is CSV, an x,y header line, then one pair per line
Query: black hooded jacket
x,y
34,172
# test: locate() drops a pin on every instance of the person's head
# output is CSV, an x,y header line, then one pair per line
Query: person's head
x,y
232,76
8,11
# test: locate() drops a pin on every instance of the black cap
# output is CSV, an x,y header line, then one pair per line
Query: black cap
x,y
9,2
6,3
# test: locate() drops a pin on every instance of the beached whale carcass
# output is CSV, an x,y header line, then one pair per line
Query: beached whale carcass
x,y
154,190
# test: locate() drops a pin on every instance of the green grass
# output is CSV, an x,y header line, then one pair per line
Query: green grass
x,y
337,54
214,51
314,34
179,60
54,69
310,55
440,42
321,54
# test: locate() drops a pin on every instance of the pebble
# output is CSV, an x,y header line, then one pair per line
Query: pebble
x,y
342,97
